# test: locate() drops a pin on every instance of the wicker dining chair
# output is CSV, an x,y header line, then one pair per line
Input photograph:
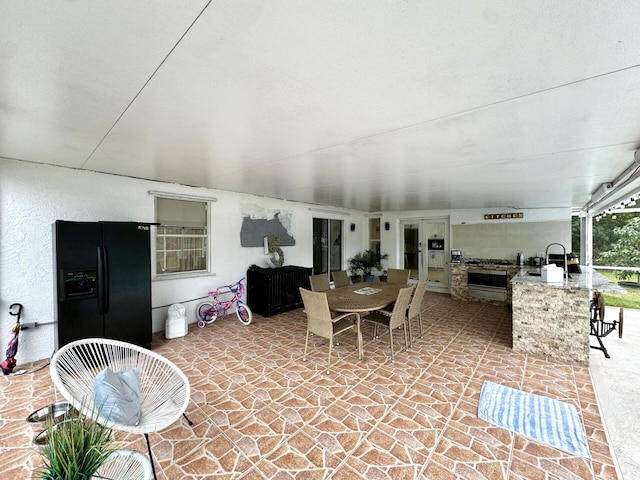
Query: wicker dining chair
x,y
415,308
320,322
320,282
394,319
341,278
397,275
164,388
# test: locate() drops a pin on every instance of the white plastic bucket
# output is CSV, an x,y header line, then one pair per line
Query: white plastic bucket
x,y
176,323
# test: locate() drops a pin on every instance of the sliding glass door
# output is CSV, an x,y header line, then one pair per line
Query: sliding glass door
x,y
327,246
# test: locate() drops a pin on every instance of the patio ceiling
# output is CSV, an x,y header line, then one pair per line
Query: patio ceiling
x,y
374,106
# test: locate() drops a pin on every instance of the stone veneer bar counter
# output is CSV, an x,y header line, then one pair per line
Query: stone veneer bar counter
x,y
552,319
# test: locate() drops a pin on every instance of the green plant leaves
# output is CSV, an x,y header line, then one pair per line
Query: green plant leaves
x,y
75,448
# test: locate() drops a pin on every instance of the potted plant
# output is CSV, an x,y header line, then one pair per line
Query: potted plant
x,y
383,277
74,448
355,267
365,262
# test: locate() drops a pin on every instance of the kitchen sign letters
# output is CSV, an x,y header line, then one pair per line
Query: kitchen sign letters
x,y
503,216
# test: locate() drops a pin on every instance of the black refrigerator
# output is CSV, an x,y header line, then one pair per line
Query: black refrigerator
x,y
103,281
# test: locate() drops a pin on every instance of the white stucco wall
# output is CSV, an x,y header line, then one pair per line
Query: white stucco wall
x,y
476,237
557,223
34,196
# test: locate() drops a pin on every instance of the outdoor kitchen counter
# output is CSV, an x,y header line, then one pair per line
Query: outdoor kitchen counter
x,y
552,319
589,279
459,286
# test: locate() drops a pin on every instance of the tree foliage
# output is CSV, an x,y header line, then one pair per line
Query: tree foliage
x,y
605,236
575,234
625,250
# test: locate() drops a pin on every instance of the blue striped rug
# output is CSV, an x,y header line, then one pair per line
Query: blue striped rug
x,y
540,418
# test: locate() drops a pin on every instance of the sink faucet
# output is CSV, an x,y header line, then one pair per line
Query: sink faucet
x,y
564,257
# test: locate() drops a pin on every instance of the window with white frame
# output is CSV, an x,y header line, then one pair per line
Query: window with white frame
x,y
374,235
181,236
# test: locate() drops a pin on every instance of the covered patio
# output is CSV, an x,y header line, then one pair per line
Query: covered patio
x,y
261,413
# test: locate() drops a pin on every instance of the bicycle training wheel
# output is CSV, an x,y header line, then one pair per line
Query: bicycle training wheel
x,y
205,314
244,313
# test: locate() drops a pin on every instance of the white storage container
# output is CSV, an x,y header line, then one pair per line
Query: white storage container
x,y
552,274
176,323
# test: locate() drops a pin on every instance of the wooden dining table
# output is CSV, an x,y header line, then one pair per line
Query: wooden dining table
x,y
363,297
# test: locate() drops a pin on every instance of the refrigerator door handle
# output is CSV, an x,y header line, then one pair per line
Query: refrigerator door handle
x,y
103,281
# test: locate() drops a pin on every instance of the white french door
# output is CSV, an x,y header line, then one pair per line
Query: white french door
x,y
425,248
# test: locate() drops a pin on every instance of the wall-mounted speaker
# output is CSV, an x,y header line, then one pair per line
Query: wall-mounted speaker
x,y
353,227
387,226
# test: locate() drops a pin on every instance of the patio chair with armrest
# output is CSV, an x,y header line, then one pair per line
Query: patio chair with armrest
x,y
392,319
415,308
319,283
397,275
321,323
341,278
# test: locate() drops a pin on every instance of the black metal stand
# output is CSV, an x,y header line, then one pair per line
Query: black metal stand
x,y
187,419
146,436
600,328
153,468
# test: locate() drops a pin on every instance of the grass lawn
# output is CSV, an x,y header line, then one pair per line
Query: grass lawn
x,y
629,300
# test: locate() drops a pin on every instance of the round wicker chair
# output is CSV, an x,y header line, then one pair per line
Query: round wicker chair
x,y
125,465
164,388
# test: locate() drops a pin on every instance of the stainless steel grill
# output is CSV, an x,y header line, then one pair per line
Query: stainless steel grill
x,y
488,284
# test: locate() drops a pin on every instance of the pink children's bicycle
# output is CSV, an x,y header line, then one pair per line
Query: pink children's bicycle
x,y
209,311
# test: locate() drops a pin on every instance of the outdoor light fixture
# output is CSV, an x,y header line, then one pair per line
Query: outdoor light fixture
x,y
601,192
